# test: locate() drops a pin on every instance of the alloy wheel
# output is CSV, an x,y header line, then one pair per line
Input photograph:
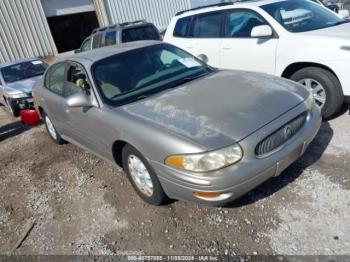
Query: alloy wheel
x,y
316,89
140,175
51,128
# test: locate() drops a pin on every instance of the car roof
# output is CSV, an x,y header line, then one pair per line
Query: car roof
x,y
125,25
18,61
223,6
104,52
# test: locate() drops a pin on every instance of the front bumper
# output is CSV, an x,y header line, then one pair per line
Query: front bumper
x,y
23,103
236,180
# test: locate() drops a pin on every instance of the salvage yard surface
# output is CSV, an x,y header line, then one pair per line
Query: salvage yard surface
x,y
82,205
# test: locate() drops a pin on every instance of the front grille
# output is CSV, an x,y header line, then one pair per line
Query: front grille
x,y
280,136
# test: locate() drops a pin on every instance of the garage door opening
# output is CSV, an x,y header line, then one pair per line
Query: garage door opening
x,y
69,31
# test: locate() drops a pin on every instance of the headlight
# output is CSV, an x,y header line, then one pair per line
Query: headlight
x,y
16,95
310,102
205,162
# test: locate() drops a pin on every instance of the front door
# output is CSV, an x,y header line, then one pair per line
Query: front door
x,y
240,51
83,122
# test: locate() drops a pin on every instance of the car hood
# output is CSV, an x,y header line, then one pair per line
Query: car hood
x,y
339,31
221,108
25,85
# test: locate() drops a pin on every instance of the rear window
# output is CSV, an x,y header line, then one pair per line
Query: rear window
x,y
208,25
140,33
182,27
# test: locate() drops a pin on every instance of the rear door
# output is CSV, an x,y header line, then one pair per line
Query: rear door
x,y
240,51
206,37
52,97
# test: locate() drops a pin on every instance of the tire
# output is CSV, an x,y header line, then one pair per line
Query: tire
x,y
51,130
14,108
157,197
330,84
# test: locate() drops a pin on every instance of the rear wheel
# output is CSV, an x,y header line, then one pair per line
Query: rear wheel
x,y
55,136
325,88
142,177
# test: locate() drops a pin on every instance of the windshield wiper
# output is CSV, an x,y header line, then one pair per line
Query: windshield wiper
x,y
340,23
187,79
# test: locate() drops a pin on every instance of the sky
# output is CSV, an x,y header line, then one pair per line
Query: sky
x,y
196,3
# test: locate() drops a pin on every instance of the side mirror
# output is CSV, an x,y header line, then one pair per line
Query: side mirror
x,y
344,14
77,51
79,100
203,58
261,31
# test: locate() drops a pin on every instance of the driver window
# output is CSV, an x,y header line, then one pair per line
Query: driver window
x,y
86,45
76,81
241,23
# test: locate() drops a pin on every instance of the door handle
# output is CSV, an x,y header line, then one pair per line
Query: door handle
x,y
227,47
189,47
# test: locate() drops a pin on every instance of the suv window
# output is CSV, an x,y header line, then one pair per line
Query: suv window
x,y
182,27
97,41
110,38
208,25
76,81
240,23
86,46
147,32
54,80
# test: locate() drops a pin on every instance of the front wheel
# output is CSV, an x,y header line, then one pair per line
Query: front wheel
x,y
142,177
325,88
54,135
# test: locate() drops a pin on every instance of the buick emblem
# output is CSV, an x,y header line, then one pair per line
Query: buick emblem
x,y
287,132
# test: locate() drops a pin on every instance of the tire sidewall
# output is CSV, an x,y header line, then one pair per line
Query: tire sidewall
x,y
331,85
158,197
58,139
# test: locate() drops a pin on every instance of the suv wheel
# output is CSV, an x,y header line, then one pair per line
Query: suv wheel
x,y
325,87
55,136
142,177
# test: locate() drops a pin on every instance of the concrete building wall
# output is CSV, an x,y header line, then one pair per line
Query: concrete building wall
x,y
158,12
24,31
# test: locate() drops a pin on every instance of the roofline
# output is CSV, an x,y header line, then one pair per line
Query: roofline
x,y
203,7
125,24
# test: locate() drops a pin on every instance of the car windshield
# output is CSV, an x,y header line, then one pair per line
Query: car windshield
x,y
21,71
302,15
141,72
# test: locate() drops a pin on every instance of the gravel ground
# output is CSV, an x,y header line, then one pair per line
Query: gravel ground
x,y
82,205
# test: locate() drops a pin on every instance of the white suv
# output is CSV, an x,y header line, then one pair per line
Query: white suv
x,y
298,39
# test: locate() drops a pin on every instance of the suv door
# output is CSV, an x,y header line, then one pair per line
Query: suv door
x,y
206,37
240,51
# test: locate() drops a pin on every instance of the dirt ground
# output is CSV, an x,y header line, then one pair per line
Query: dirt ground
x,y
81,205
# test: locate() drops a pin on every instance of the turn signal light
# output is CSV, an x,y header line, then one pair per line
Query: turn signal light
x,y
206,195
